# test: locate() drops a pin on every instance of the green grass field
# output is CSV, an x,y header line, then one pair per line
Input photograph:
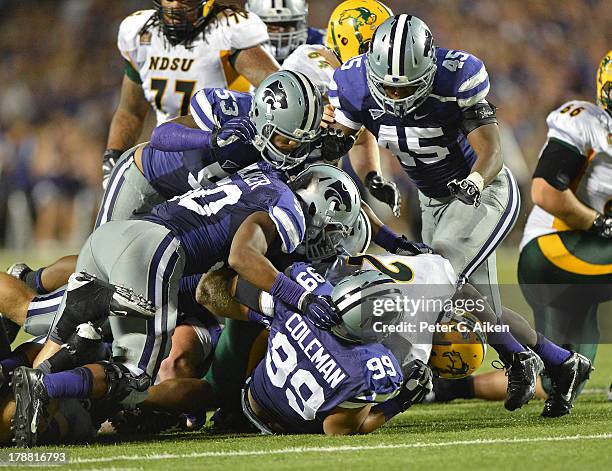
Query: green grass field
x,y
459,435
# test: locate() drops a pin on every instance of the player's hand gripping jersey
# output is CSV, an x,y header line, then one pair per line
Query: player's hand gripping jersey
x,y
175,173
429,142
307,372
205,220
586,129
170,74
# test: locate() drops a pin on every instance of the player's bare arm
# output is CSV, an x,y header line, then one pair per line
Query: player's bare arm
x,y
342,421
486,143
247,253
255,64
215,292
128,119
562,204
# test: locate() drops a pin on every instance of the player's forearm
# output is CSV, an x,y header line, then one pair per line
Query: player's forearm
x,y
563,205
174,137
486,143
255,64
373,421
253,266
364,155
124,130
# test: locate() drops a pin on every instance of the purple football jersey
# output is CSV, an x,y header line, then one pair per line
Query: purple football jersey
x,y
428,142
308,372
175,173
205,220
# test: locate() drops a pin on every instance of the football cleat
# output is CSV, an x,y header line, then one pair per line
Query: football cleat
x,y
124,302
31,399
226,420
19,270
566,382
522,374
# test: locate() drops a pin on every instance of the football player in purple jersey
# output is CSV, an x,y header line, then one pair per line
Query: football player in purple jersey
x,y
428,106
233,222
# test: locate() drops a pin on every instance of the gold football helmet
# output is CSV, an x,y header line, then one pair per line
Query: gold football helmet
x,y
460,349
604,83
351,26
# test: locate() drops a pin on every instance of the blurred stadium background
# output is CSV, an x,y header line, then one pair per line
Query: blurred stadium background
x,y
60,74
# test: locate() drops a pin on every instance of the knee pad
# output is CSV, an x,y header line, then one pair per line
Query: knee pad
x,y
121,382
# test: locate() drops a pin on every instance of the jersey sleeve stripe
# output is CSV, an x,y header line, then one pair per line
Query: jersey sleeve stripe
x,y
291,232
471,101
474,80
202,112
344,120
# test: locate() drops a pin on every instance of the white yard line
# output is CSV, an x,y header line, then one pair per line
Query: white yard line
x,y
335,449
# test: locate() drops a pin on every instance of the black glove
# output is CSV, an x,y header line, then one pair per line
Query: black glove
x,y
403,246
109,160
602,226
334,144
418,382
384,190
465,191
321,311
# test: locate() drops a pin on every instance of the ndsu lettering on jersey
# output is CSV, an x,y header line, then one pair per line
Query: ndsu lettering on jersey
x,y
169,75
428,142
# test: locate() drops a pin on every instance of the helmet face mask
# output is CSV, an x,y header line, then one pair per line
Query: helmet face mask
x,y
184,23
331,204
389,70
286,110
279,158
604,83
286,21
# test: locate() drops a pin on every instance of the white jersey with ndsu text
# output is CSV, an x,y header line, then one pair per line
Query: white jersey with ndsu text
x,y
171,74
586,128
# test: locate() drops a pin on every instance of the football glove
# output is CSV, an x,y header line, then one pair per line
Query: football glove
x,y
385,191
238,129
602,226
403,246
334,144
320,310
466,190
109,160
418,382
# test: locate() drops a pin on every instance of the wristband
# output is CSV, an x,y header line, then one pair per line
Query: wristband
x,y
390,408
385,238
288,291
476,179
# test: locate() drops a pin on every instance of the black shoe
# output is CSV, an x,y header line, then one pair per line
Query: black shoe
x,y
31,399
522,374
231,421
123,302
19,270
566,381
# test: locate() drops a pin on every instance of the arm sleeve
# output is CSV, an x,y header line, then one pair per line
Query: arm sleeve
x,y
559,164
344,116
